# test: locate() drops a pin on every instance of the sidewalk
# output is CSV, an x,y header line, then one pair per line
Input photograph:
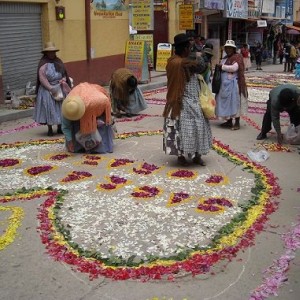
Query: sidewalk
x,y
158,79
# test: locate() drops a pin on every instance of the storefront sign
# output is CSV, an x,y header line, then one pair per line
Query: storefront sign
x,y
164,52
236,9
214,4
142,15
148,38
254,8
186,17
198,17
136,60
268,7
113,10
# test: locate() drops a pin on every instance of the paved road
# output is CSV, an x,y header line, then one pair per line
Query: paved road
x,y
36,263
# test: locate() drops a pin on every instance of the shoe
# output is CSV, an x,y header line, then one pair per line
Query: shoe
x,y
261,136
235,127
50,133
182,161
198,161
59,131
227,124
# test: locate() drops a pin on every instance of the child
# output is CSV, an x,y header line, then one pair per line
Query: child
x,y
246,56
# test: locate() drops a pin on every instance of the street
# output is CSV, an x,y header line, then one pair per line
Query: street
x,y
133,225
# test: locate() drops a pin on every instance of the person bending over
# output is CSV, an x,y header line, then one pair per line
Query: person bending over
x,y
285,97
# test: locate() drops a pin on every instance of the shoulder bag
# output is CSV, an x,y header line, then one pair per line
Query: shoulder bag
x,y
216,81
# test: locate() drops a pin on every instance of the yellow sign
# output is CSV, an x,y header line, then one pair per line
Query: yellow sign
x,y
142,15
148,38
186,17
136,60
164,52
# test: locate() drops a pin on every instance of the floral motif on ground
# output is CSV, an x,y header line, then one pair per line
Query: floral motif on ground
x,y
120,162
182,174
178,198
114,183
58,156
213,205
76,176
9,162
239,233
146,192
38,170
146,169
217,179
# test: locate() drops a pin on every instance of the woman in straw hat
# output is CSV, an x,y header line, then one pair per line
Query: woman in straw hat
x,y
232,97
125,94
53,84
86,119
186,131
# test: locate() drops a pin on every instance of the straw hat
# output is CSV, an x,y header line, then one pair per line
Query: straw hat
x,y
230,43
73,108
50,46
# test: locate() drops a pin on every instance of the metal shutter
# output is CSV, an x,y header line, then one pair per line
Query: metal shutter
x,y
20,43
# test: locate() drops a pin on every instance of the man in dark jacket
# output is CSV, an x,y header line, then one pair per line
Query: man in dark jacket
x,y
285,97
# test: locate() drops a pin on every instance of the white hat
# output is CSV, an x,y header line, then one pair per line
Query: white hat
x,y
230,43
73,108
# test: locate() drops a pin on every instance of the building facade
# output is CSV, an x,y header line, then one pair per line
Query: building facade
x,y
92,34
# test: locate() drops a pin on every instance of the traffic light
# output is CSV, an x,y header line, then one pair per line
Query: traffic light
x,y
60,12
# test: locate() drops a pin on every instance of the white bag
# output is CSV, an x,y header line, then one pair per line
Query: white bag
x,y
57,93
292,135
258,156
88,141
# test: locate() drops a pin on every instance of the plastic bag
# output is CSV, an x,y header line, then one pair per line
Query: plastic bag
x,y
207,99
57,93
258,156
292,135
88,141
216,81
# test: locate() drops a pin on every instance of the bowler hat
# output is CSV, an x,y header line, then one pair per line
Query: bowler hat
x,y
73,108
180,38
208,51
50,46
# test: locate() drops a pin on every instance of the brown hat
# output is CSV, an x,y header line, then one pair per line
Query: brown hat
x,y
180,38
50,46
